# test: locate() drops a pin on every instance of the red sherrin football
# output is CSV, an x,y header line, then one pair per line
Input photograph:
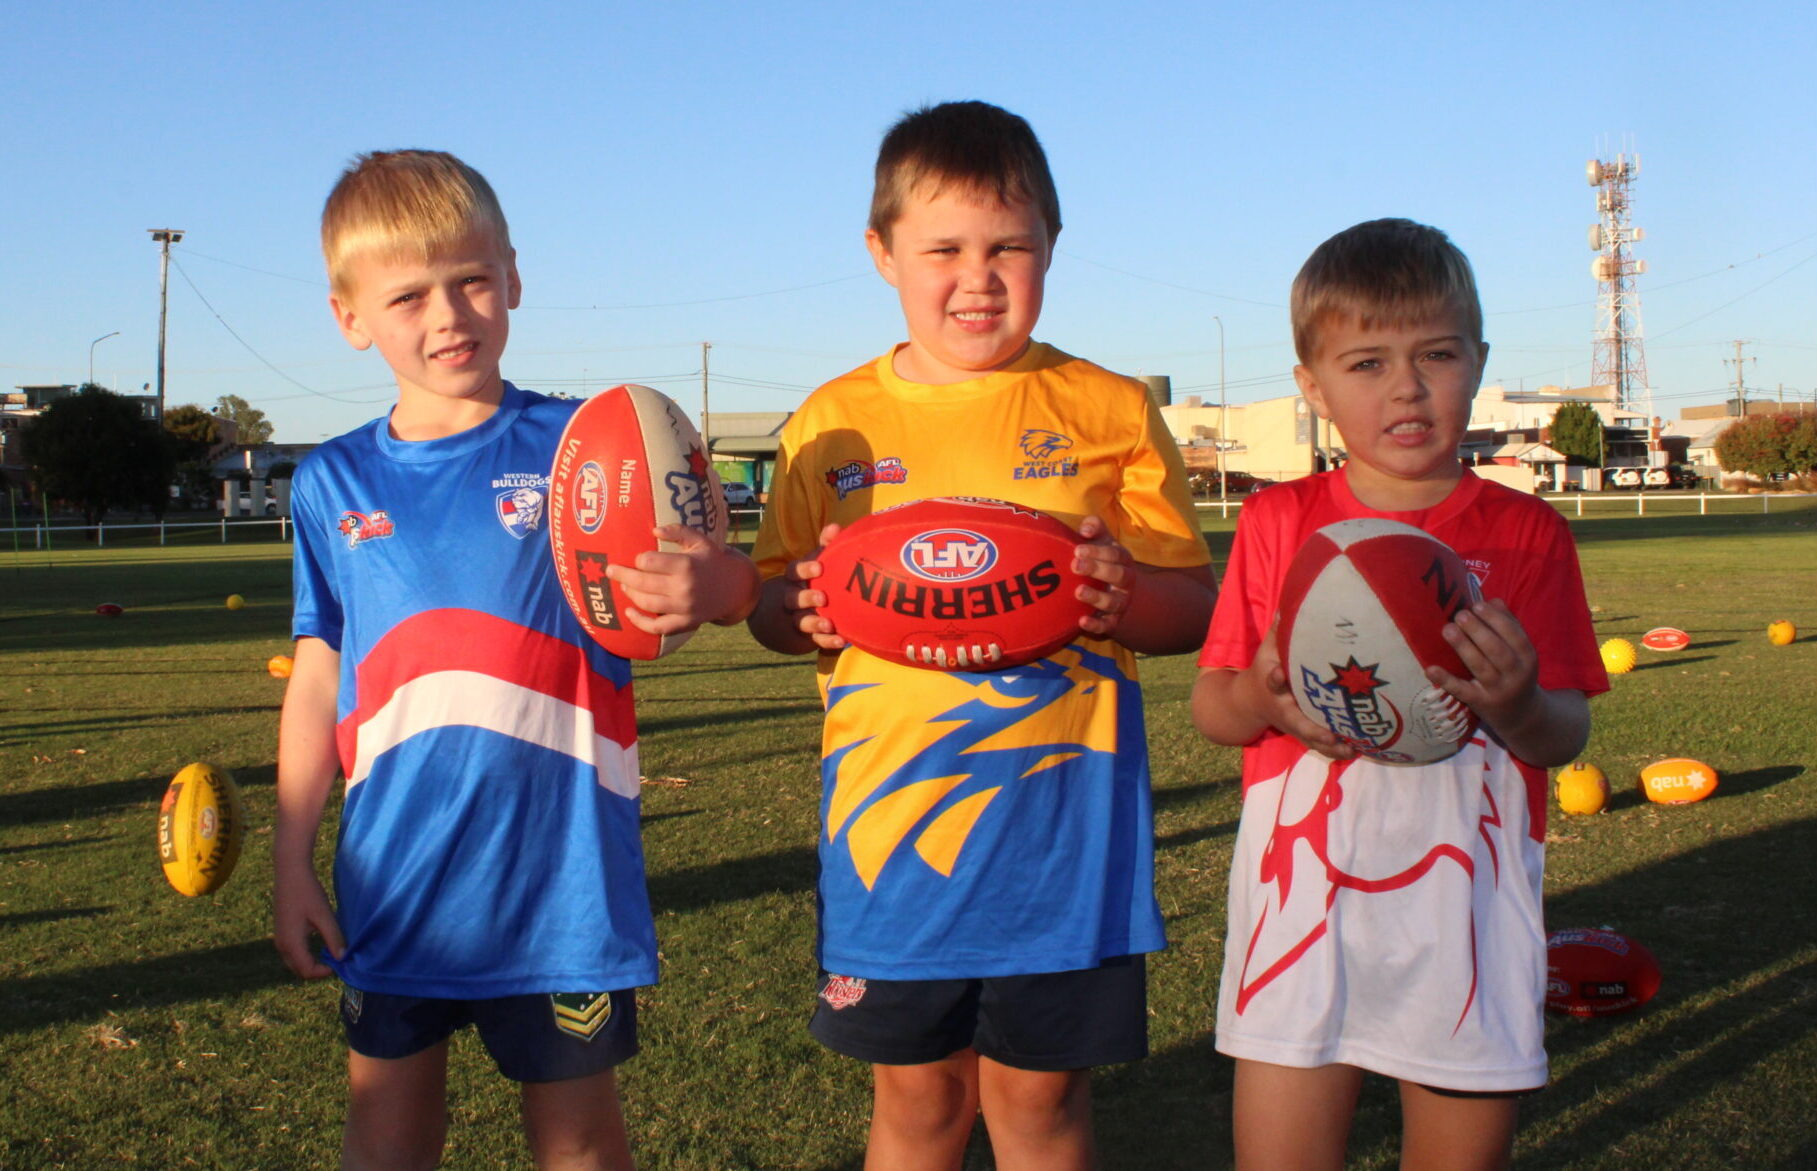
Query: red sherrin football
x,y
1665,638
629,460
1360,615
954,583
1590,972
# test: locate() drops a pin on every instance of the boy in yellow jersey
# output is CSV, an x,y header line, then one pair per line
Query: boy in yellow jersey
x,y
986,883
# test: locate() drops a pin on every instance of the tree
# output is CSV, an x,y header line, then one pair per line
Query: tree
x,y
193,430
1767,445
253,426
96,451
1577,435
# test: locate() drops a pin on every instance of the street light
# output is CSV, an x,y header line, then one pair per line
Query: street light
x,y
1223,422
91,354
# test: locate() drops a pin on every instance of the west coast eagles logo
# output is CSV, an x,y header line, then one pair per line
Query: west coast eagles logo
x,y
854,474
1046,452
360,527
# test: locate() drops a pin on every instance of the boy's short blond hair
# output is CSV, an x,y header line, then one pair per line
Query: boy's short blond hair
x,y
405,204
1391,273
971,145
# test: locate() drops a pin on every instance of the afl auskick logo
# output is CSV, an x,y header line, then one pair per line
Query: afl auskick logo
x,y
947,555
589,497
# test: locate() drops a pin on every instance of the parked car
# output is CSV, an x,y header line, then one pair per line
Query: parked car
x,y
739,494
271,503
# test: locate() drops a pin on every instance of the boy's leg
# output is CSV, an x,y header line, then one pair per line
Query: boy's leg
x,y
1288,1119
1039,1120
922,1115
577,1124
397,1111
563,1051
1456,1132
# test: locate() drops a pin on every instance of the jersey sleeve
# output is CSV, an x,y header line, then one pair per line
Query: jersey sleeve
x,y
317,612
793,517
1158,523
1552,609
1247,595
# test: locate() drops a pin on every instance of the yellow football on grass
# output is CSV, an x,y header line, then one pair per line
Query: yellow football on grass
x,y
1618,656
235,601
1582,788
200,826
279,666
1781,633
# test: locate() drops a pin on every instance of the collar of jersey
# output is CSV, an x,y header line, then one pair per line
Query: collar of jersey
x,y
1038,356
1469,486
510,405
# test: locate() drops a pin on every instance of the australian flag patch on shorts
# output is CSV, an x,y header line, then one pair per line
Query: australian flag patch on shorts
x,y
581,1014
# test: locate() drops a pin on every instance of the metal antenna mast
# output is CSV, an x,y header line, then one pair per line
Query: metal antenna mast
x,y
1620,358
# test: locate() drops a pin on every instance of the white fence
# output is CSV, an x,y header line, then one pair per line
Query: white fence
x,y
1617,502
42,536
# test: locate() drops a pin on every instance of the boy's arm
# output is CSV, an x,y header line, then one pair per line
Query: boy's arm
x,y
307,767
1541,727
1234,707
702,581
787,618
1151,609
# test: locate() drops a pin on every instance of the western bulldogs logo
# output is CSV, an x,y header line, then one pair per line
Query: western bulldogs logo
x,y
948,555
520,510
842,991
1043,449
852,475
358,527
589,497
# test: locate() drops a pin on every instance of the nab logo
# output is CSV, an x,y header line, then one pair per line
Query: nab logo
x,y
589,497
946,555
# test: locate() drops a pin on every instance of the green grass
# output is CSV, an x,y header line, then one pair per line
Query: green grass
x,y
141,1028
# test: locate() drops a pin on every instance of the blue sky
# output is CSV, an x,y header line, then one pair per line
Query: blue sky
x,y
687,172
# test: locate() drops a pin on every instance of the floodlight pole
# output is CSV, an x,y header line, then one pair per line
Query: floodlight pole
x,y
165,237
91,354
1223,421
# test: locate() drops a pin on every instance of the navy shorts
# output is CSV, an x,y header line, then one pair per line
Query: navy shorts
x,y
1055,1021
541,1038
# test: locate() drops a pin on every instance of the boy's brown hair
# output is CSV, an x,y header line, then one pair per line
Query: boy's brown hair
x,y
412,204
972,145
1391,273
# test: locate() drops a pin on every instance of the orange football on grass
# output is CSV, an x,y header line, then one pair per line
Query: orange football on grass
x,y
279,666
1677,780
1781,633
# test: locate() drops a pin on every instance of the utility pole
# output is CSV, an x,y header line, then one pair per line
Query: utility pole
x,y
1741,387
705,435
1223,422
165,237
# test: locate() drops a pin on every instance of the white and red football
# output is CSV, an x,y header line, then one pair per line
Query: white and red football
x,y
1360,614
1593,972
629,460
954,583
1665,638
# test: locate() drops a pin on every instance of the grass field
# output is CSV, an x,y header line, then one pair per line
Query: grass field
x,y
141,1028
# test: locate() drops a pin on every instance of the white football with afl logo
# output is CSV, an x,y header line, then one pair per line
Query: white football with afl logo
x,y
1361,612
629,460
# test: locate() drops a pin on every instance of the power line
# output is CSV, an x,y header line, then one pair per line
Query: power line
x,y
248,347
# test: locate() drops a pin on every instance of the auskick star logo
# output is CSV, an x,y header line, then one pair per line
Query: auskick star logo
x,y
1348,704
854,474
360,527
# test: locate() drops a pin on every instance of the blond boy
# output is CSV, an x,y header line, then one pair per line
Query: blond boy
x,y
1388,918
488,869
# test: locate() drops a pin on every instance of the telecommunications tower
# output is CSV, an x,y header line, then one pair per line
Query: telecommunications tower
x,y
1620,358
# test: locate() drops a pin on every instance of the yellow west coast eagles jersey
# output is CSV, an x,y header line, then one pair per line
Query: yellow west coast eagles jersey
x,y
984,824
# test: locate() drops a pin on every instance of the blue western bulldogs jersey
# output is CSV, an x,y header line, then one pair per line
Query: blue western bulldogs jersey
x,y
489,839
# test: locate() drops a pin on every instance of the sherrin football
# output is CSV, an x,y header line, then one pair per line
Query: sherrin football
x,y
1665,638
1591,972
954,583
1361,612
629,460
1677,781
200,826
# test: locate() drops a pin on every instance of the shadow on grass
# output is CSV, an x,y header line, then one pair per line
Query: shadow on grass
x,y
73,802
789,871
59,844
25,917
29,1003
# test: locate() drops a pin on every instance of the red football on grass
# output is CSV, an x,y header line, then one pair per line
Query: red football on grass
x,y
1591,972
1665,638
1360,615
110,609
954,583
628,461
